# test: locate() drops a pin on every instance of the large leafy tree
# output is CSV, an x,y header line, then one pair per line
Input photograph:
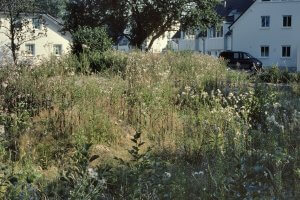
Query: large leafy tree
x,y
97,13
55,8
109,14
143,19
152,18
17,25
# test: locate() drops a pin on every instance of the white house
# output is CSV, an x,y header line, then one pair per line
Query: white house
x,y
270,31
214,40
53,42
160,44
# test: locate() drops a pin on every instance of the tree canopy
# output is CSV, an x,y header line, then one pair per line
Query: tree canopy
x,y
55,8
143,19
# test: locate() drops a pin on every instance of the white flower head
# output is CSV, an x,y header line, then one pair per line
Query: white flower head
x,y
200,173
92,173
276,105
167,175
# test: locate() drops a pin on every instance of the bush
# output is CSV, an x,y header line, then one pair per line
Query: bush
x,y
110,60
91,39
276,75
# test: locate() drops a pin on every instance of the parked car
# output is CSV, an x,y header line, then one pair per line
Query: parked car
x,y
241,60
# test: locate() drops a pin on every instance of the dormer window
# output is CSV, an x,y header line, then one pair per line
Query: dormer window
x,y
287,21
36,23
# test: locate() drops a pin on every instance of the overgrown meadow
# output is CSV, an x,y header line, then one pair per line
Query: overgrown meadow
x,y
146,126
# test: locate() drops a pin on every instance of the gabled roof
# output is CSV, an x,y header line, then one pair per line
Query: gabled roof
x,y
228,6
49,17
177,35
241,14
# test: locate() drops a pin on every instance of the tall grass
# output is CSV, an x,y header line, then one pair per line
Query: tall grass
x,y
210,133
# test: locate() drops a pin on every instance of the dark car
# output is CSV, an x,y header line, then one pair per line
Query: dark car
x,y
241,60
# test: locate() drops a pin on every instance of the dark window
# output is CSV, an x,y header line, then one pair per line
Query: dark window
x,y
286,51
264,51
236,56
265,21
287,21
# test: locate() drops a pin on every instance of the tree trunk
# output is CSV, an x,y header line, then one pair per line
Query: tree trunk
x,y
152,42
154,38
14,53
13,46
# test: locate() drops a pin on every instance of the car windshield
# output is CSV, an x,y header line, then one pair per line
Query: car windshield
x,y
247,55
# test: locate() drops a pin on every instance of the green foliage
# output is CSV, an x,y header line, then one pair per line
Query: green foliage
x,y
92,39
276,75
55,8
213,134
146,19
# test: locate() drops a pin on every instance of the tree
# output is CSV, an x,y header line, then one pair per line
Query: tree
x,y
21,24
111,14
144,19
55,8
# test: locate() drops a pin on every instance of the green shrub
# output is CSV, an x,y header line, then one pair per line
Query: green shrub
x,y
92,39
276,75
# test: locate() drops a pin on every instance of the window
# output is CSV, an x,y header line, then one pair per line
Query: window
x,y
264,51
203,34
57,49
17,24
220,31
216,32
36,23
286,51
236,56
30,49
190,34
287,21
265,21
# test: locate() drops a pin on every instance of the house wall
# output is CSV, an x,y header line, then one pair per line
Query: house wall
x,y
210,45
158,46
162,42
249,36
187,45
43,45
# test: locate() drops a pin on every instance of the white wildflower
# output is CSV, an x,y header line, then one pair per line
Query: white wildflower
x,y
4,85
187,88
167,175
200,173
2,130
92,173
276,105
102,181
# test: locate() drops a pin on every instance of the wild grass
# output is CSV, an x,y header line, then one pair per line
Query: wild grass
x,y
198,130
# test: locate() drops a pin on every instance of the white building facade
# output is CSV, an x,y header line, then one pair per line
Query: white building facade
x,y
270,31
53,42
160,44
214,40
